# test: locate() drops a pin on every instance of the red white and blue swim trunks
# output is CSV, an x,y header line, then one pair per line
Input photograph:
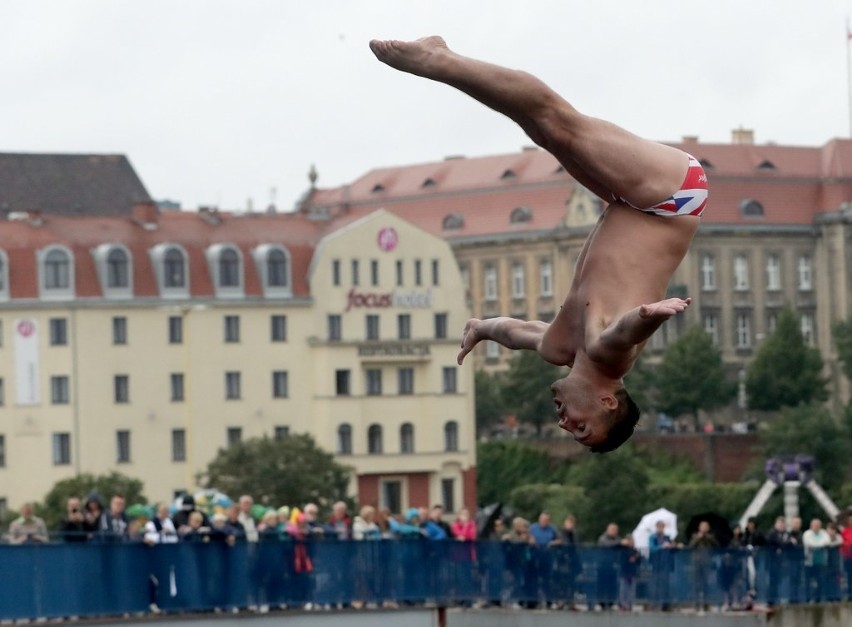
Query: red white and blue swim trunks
x,y
689,200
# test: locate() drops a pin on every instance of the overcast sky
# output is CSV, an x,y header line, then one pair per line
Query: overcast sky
x,y
216,102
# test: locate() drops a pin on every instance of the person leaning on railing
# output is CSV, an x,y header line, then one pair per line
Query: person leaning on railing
x,y
28,528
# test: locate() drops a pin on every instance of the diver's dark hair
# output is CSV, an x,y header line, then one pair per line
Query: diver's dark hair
x,y
623,421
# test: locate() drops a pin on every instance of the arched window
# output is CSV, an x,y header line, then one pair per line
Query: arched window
x,y
520,215
174,271
344,439
118,268
374,440
451,436
229,268
751,208
57,270
452,221
406,438
277,273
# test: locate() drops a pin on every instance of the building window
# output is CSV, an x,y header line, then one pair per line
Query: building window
x,y
404,326
176,385
175,330
278,328
805,273
178,445
708,273
334,328
743,331
344,439
374,382
118,271
492,350
518,280
771,321
234,436
232,329
465,276
740,273
372,326
232,385
342,382
122,448
406,438
418,272
281,432
229,268
374,440
399,273
435,272
490,283
280,384
277,269
405,381
121,388
451,436
61,449
119,330
356,274
807,328
710,322
449,380
2,451
773,273
335,272
57,270
2,392
58,332
448,494
374,272
546,278
392,496
59,390
440,326
174,269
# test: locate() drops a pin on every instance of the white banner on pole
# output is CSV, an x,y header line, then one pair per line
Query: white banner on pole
x,y
26,362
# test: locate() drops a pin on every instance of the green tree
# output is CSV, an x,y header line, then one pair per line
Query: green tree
x,y
81,486
641,385
616,487
692,377
503,465
526,388
286,471
811,430
489,400
841,331
785,372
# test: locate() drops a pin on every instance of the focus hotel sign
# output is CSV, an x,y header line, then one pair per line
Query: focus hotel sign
x,y
387,240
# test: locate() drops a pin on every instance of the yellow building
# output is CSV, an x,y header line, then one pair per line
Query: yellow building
x,y
145,344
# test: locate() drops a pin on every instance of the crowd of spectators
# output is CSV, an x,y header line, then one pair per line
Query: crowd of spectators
x,y
540,564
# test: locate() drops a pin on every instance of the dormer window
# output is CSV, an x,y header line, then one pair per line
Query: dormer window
x,y
272,262
705,164
750,208
520,215
171,269
508,174
429,182
377,188
452,221
113,262
766,165
56,272
225,263
4,276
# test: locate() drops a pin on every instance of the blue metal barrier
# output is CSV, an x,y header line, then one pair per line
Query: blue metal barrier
x,y
56,580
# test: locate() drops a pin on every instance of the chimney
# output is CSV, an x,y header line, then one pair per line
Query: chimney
x,y
145,215
210,215
742,136
689,140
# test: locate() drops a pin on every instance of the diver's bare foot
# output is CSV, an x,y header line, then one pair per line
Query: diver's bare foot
x,y
422,57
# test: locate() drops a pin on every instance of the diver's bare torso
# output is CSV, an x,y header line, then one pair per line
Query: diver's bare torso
x,y
627,261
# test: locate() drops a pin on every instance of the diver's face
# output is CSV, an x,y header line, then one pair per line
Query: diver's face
x,y
578,412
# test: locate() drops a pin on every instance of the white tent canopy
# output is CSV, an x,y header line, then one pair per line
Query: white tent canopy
x,y
648,526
